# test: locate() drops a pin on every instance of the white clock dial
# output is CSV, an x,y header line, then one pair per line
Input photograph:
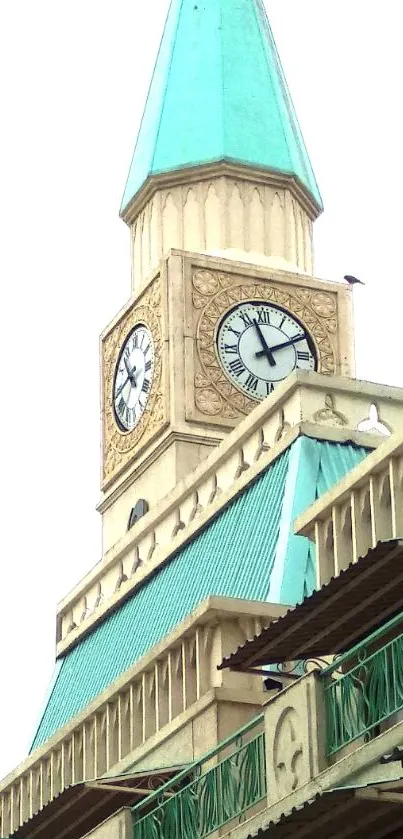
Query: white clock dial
x,y
133,377
260,344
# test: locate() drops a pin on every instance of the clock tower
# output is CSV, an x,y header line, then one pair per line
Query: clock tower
x,y
220,201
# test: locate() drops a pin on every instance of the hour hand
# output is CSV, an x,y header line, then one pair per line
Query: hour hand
x,y
266,349
130,372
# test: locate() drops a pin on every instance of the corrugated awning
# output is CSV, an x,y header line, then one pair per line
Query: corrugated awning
x,y
83,806
334,618
372,811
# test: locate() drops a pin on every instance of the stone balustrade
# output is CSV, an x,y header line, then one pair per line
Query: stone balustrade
x,y
307,403
172,678
362,509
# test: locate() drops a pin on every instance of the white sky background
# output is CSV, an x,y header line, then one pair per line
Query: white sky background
x,y
74,80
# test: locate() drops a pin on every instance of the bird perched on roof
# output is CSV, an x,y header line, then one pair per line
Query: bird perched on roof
x,y
352,280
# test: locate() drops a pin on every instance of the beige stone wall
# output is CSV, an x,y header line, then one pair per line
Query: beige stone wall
x,y
118,826
203,732
228,216
163,474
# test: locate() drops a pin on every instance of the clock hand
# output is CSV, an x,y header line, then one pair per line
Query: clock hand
x,y
119,390
266,351
280,346
129,372
131,377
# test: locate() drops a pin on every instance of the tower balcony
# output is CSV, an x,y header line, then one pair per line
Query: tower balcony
x,y
325,734
364,688
227,784
164,711
323,755
362,509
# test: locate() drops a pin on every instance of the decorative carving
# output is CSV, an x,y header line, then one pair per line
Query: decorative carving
x,y
119,446
137,562
179,524
324,304
374,423
121,576
329,414
85,612
262,446
214,294
99,596
208,401
287,751
304,294
197,508
72,624
283,426
152,547
205,282
243,466
215,491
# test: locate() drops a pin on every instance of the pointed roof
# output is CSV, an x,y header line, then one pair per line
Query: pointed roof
x,y
217,93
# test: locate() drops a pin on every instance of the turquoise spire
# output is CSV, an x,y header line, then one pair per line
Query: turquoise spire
x,y
218,93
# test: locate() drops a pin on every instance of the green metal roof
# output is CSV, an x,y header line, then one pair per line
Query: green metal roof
x,y
218,92
247,551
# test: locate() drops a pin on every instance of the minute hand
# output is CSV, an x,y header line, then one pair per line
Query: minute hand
x,y
280,346
267,350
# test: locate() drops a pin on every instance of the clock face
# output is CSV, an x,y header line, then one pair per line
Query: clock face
x,y
133,377
260,344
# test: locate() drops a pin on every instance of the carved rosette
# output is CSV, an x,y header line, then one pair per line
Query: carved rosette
x,y
288,753
214,294
120,446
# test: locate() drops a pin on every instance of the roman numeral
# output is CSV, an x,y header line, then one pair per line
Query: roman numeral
x,y
231,348
145,387
302,355
135,340
147,349
245,318
280,325
121,406
263,316
251,382
235,331
237,367
269,388
126,352
148,365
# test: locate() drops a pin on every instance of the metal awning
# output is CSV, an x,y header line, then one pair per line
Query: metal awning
x,y
334,618
350,813
83,806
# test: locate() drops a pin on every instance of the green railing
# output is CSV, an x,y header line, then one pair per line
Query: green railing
x,y
359,700
220,787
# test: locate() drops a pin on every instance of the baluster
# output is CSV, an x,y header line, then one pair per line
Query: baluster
x,y
396,493
124,724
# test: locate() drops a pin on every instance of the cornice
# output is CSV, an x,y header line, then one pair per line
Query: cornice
x,y
228,168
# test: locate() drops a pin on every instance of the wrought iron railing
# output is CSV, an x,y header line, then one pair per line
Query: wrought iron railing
x,y
366,693
208,794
